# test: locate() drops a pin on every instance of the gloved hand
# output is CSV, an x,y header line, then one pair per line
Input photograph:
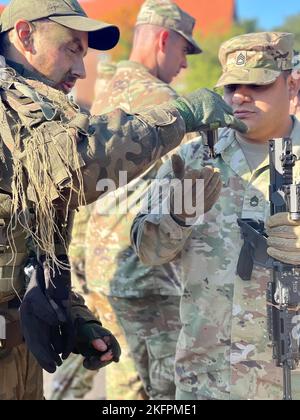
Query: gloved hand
x,y
284,238
201,200
206,110
46,326
98,346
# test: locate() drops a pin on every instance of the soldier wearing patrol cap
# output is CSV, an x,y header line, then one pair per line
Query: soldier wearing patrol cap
x,y
52,156
145,300
223,351
256,59
169,15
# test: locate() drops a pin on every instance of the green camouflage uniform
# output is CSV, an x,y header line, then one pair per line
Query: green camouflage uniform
x,y
135,292
56,134
132,87
72,380
144,300
223,350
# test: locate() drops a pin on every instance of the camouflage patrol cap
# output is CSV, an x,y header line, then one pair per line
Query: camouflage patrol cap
x,y
168,15
256,58
102,36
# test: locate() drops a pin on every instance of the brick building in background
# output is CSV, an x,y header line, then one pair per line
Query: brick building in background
x,y
211,16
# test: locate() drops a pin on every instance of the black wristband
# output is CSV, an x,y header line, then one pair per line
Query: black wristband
x,y
179,221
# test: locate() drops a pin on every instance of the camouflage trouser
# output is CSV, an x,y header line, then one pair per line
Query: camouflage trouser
x,y
21,378
188,396
276,394
151,326
73,381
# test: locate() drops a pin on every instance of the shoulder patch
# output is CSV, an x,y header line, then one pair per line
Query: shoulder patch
x,y
241,59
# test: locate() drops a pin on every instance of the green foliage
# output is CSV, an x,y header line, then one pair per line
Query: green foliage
x,y
204,70
292,24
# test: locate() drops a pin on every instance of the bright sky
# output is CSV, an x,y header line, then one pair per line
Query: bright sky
x,y
269,13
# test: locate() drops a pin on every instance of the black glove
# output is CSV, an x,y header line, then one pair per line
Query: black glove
x,y
86,333
46,325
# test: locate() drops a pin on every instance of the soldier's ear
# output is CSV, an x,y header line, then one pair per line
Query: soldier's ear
x,y
293,85
24,31
163,40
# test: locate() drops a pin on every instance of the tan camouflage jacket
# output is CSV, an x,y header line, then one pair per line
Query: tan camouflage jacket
x,y
112,266
223,350
131,88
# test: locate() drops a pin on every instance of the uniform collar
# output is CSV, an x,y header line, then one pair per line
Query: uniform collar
x,y
231,152
228,147
131,64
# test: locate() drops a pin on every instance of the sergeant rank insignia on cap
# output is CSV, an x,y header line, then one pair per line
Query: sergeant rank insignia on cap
x,y
241,59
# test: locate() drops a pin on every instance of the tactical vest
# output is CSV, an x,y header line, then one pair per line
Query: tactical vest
x,y
27,108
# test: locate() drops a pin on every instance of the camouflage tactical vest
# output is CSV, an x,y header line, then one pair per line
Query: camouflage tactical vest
x,y
31,112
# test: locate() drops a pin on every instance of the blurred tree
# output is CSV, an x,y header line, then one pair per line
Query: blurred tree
x,y
125,18
292,24
204,70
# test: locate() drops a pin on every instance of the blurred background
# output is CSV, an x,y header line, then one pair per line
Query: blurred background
x,y
217,20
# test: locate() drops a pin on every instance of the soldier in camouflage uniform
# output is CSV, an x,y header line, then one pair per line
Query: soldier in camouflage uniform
x,y
223,351
72,380
105,71
145,300
52,158
141,297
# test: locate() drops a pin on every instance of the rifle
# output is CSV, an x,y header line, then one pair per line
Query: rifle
x,y
283,291
212,139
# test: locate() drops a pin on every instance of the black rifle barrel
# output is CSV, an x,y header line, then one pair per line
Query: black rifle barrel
x,y
212,138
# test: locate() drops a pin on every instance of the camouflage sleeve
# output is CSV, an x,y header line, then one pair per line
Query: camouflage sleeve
x,y
77,248
156,237
122,142
60,149
72,158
